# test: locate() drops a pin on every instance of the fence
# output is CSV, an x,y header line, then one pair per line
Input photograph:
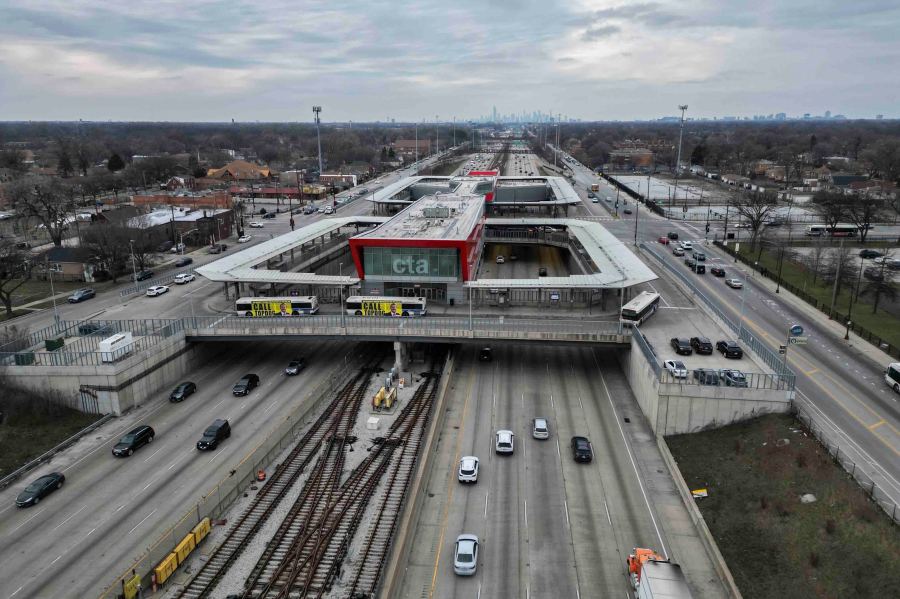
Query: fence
x,y
215,502
752,380
649,353
876,340
772,360
830,438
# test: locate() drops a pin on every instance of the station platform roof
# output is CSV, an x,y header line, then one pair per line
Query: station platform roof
x,y
562,192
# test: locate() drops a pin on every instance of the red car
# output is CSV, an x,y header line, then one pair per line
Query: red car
x,y
664,240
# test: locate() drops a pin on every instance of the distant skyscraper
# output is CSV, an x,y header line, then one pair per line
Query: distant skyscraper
x,y
827,114
495,114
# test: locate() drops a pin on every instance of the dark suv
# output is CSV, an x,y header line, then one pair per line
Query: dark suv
x,y
134,440
485,355
143,275
246,384
183,391
218,431
582,450
681,346
733,378
706,376
702,345
730,349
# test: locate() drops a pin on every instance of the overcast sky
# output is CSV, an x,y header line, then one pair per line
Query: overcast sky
x,y
372,60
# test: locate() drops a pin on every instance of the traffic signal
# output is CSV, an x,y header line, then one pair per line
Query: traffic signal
x,y
707,227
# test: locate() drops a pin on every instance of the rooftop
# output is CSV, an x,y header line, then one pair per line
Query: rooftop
x,y
439,216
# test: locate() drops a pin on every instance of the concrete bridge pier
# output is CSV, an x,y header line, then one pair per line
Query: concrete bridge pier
x,y
401,356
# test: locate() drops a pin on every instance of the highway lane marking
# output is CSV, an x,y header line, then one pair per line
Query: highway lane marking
x,y
242,406
876,425
218,404
630,456
142,521
58,557
29,520
272,405
450,484
70,517
147,486
608,518
214,457
90,533
152,454
810,372
486,503
566,506
478,596
525,502
14,593
558,454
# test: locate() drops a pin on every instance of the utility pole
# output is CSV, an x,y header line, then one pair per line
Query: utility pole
x,y
316,111
681,107
437,143
837,277
637,210
417,148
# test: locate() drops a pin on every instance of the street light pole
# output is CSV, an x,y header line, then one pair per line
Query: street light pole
x,y
316,111
133,267
637,210
53,296
681,107
341,275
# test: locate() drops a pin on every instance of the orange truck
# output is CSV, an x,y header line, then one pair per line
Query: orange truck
x,y
655,577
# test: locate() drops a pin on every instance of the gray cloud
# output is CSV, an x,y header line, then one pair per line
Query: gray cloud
x,y
596,33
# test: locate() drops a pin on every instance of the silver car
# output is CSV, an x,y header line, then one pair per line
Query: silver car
x,y
468,469
465,555
540,429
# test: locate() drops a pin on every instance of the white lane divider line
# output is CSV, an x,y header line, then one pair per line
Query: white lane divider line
x,y
485,503
608,519
70,517
27,521
149,457
142,521
566,506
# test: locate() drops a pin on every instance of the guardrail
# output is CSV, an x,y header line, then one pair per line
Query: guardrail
x,y
648,350
752,380
772,360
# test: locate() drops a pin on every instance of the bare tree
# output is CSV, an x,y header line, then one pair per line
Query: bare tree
x,y
49,200
862,212
814,258
755,207
831,206
15,271
884,157
840,269
879,283
110,243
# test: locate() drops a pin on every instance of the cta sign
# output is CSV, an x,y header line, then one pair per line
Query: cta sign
x,y
407,265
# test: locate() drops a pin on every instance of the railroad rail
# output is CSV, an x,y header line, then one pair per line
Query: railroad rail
x,y
271,494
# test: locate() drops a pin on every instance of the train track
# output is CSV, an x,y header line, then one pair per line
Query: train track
x,y
307,559
270,495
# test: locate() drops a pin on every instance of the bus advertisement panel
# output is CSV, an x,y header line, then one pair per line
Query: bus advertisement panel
x,y
381,308
265,307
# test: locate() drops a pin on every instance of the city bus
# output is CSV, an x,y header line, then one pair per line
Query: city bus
x,y
260,307
892,376
836,231
640,308
381,305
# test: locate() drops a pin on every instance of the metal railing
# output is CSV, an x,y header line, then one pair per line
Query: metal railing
x,y
772,359
752,380
647,348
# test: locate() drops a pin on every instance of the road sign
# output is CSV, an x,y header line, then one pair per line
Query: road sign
x,y
799,340
796,330
782,349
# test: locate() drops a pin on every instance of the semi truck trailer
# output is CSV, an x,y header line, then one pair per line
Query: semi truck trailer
x,y
654,577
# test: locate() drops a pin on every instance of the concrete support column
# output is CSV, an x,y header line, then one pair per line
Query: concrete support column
x,y
237,290
226,289
401,356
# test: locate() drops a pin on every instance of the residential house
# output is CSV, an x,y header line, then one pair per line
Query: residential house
x,y
67,264
239,170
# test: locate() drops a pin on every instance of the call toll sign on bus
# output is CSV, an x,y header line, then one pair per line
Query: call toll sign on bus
x,y
262,307
377,305
270,308
381,308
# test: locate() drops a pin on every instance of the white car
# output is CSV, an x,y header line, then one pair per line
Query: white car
x,y
321,210
184,277
255,224
504,441
500,259
465,555
734,283
677,368
687,245
244,238
157,290
329,210
468,469
540,429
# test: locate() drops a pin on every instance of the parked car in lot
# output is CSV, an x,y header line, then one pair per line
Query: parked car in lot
x,y
94,328
540,429
247,383
184,277
702,345
465,555
676,368
142,275
157,290
733,378
582,450
79,295
681,345
730,349
504,441
717,271
468,469
217,432
183,391
183,261
295,366
244,238
734,283
706,376
134,440
40,488
255,224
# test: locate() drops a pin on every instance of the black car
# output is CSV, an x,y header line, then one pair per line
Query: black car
x,y
269,215
730,349
702,345
246,384
218,431
40,488
79,295
485,355
542,272
134,440
690,262
627,211
183,391
184,261
681,346
309,209
717,271
143,275
582,451
673,235
93,328
699,268
706,376
870,254
295,366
